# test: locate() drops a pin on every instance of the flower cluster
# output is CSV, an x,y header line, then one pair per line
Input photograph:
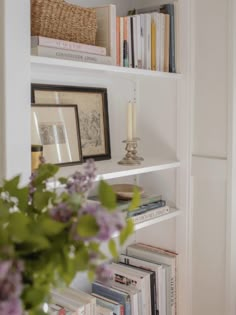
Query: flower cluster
x,y
10,287
47,236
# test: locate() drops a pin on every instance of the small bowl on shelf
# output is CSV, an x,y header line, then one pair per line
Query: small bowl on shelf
x,y
126,191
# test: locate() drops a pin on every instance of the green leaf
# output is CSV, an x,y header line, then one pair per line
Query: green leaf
x,y
41,199
21,194
91,275
87,226
45,171
34,296
18,226
135,200
112,248
107,196
51,227
63,180
4,209
12,184
126,232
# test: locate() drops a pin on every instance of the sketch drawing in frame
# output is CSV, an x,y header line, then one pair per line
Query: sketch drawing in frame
x,y
92,106
56,127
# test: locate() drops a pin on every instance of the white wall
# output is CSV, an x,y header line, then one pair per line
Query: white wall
x,y
210,140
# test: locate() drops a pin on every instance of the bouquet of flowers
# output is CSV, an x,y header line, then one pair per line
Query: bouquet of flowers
x,y
47,236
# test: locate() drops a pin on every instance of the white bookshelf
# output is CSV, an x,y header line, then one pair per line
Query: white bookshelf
x,y
163,119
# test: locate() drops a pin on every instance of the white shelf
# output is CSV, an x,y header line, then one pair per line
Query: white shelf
x,y
39,62
110,169
172,214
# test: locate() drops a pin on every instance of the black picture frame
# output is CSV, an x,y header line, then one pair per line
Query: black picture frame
x,y
56,128
94,126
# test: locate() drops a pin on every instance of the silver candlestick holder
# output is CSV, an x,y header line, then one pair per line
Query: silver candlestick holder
x,y
131,157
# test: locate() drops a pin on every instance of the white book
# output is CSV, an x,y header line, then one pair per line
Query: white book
x,y
162,41
151,214
142,26
62,44
160,256
160,279
70,55
139,42
134,278
147,41
156,18
106,31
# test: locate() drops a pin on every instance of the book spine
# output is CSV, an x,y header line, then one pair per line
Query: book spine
x,y
142,25
132,41
129,41
149,42
153,45
125,46
162,41
171,12
121,41
110,294
149,215
71,55
114,308
118,41
66,45
167,43
139,43
113,32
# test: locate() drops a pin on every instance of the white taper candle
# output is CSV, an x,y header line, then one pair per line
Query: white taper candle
x,y
130,122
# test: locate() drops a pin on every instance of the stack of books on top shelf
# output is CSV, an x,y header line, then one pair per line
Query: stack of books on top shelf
x,y
146,39
103,53
143,282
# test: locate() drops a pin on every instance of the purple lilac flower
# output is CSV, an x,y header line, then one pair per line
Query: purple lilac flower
x,y
103,273
32,189
81,183
61,212
108,222
10,279
10,287
11,307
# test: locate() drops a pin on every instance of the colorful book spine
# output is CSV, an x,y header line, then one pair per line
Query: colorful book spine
x,y
121,41
125,43
71,55
62,44
153,45
118,41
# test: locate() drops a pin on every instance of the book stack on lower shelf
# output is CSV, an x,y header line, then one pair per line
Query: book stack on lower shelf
x,y
143,282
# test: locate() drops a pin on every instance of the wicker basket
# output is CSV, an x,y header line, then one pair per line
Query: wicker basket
x,y
61,20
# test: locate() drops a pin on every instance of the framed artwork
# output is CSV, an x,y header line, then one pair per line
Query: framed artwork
x,y
93,114
56,127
